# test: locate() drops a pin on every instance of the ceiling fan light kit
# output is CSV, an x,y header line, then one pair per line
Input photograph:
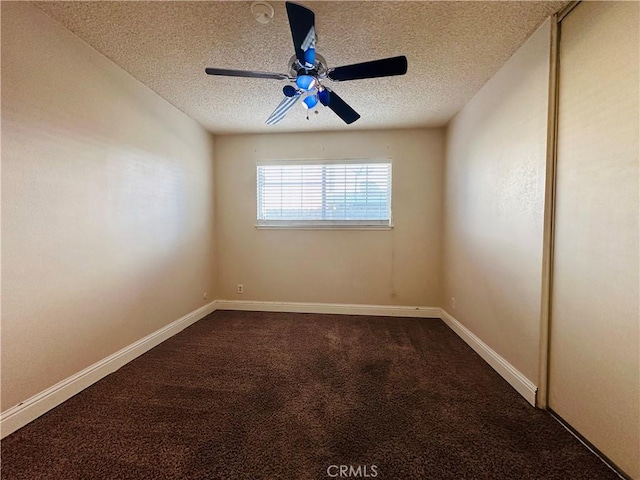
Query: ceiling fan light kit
x,y
307,69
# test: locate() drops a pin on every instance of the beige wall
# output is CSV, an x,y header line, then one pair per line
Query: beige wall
x,y
107,207
391,267
494,201
595,322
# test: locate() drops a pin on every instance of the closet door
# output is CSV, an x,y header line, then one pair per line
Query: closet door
x,y
594,369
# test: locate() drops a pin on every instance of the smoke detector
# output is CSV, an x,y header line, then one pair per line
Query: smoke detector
x,y
262,12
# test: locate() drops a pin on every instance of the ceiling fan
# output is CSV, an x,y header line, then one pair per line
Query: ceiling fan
x,y
308,69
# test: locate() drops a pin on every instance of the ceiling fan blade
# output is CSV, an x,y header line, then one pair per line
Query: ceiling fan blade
x,y
282,109
245,73
303,32
385,67
340,108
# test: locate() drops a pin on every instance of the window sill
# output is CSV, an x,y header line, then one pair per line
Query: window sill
x,y
324,227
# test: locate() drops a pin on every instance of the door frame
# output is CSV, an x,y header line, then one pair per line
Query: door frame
x,y
542,397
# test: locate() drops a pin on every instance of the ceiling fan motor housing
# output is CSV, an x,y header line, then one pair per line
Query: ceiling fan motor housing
x,y
319,69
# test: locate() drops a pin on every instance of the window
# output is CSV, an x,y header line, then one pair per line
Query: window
x,y
330,194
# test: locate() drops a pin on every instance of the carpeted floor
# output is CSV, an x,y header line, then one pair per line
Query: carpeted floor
x,y
244,395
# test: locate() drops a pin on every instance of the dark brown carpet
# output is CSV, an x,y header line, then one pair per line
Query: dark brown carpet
x,y
243,395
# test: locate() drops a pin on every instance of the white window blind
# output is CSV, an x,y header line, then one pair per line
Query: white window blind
x,y
324,195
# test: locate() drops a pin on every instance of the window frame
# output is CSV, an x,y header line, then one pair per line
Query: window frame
x,y
325,224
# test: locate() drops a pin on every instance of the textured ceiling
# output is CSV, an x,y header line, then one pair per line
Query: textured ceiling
x,y
452,48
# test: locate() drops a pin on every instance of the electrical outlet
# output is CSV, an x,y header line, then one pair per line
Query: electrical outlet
x,y
240,288
205,295
452,302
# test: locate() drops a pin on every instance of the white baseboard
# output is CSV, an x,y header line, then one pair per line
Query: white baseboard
x,y
335,308
27,411
516,379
